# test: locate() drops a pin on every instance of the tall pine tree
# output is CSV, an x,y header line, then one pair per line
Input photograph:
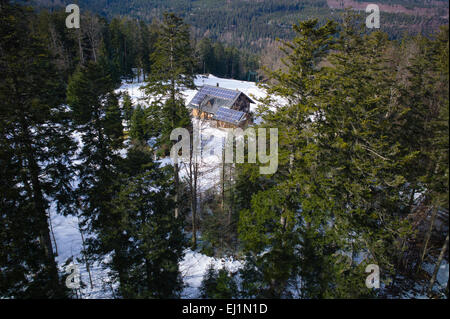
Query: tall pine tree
x,y
172,71
35,158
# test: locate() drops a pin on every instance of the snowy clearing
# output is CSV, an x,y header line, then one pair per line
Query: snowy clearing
x,y
194,265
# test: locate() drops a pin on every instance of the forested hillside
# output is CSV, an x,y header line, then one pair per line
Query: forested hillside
x,y
87,147
254,24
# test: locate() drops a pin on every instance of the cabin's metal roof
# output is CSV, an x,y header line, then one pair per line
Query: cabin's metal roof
x,y
229,115
215,95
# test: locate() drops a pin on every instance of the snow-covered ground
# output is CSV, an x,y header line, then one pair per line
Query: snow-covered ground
x,y
442,275
194,265
418,291
249,88
212,137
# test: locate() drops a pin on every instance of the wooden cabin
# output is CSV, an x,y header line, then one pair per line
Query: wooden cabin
x,y
228,108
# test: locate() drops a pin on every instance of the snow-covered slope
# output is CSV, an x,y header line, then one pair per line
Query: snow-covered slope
x,y
213,138
194,265
249,88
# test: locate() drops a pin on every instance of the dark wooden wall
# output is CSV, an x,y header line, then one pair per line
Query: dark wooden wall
x,y
242,104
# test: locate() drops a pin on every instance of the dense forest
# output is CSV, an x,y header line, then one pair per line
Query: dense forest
x,y
255,24
363,152
127,43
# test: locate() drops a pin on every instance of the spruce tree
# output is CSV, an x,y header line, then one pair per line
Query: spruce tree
x,y
284,210
35,158
127,108
155,241
97,118
172,71
218,284
140,127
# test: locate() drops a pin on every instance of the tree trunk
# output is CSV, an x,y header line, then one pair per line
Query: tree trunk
x,y
437,266
120,261
192,169
194,212
177,182
231,201
53,234
446,289
427,238
86,261
148,271
80,47
194,223
40,207
222,181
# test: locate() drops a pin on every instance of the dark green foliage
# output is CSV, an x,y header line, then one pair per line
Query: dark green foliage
x,y
224,61
127,108
251,25
347,179
140,129
218,229
172,70
127,44
35,156
363,151
284,210
218,284
148,264
97,117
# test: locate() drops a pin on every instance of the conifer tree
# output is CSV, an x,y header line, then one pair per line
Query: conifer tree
x,y
282,212
97,118
155,241
172,71
127,108
218,284
140,125
35,158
